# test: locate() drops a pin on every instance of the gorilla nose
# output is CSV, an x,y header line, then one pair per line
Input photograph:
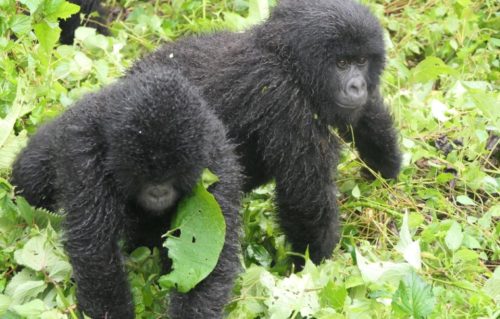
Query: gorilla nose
x,y
356,88
157,191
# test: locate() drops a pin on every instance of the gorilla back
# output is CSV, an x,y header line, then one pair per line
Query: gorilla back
x,y
117,163
278,87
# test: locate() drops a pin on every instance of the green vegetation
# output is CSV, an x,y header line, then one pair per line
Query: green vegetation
x,y
425,246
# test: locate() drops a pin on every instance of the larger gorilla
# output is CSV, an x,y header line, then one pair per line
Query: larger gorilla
x,y
279,87
117,163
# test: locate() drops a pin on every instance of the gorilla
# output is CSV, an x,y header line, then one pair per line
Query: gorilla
x,y
279,88
87,7
117,163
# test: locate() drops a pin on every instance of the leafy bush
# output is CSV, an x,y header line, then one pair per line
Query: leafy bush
x,y
424,246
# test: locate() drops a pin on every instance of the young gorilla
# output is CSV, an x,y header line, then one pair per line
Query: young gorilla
x,y
278,87
117,163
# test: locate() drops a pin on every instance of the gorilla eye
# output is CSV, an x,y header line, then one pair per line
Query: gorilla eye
x,y
342,63
361,60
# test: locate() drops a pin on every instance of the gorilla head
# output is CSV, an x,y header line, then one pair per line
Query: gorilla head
x,y
147,172
335,49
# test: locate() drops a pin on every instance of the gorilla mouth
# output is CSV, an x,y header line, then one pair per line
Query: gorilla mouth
x,y
348,106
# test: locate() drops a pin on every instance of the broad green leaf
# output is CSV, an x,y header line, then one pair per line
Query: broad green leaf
x,y
356,193
7,123
140,254
32,4
11,147
36,254
32,309
24,286
47,35
465,200
208,178
454,236
4,303
430,69
293,294
407,247
333,296
492,286
381,271
413,297
201,231
20,24
60,9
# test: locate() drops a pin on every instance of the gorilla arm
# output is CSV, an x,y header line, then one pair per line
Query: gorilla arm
x,y
302,162
376,139
209,296
93,223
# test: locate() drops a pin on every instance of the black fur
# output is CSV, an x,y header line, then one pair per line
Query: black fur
x,y
87,7
92,161
272,87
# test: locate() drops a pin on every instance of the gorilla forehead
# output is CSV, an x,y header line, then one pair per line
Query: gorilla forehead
x,y
345,27
149,130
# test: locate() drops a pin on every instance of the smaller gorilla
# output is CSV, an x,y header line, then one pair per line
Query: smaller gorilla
x,y
117,163
87,7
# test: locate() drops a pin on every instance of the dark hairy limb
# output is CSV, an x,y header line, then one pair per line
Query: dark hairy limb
x,y
94,218
208,298
376,140
305,189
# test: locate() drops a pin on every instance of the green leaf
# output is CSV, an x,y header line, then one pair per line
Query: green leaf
x,y
41,253
140,254
24,286
293,295
413,297
47,35
32,309
333,296
208,178
196,240
406,246
492,286
31,4
356,193
465,200
20,24
11,147
454,236
4,303
430,69
60,9
381,271
7,123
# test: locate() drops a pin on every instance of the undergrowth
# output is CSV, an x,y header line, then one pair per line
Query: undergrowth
x,y
424,246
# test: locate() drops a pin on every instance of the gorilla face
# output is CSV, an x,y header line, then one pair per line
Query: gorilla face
x,y
350,89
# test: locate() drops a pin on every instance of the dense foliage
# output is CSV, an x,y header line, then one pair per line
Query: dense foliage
x,y
426,245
